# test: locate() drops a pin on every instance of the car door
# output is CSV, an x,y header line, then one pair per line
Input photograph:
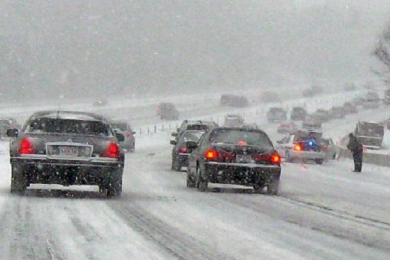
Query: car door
x,y
195,154
284,145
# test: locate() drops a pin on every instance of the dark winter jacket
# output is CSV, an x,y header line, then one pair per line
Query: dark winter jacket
x,y
355,146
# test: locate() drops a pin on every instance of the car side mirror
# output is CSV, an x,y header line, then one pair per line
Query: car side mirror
x,y
120,137
174,134
191,145
12,132
173,142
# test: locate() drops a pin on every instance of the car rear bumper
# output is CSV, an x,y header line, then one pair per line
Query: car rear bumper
x,y
307,155
241,173
62,161
45,170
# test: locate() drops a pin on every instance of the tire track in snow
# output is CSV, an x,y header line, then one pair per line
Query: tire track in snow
x,y
176,242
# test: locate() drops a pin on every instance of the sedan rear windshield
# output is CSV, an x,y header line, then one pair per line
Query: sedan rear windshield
x,y
193,136
49,125
240,137
197,127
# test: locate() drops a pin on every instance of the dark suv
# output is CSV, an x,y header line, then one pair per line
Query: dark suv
x,y
298,114
67,148
234,156
167,111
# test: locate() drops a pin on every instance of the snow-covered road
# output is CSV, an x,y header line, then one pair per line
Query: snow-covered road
x,y
323,212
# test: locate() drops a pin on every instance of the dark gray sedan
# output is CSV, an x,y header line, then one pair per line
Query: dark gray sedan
x,y
234,156
67,148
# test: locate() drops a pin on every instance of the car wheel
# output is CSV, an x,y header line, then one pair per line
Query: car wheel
x,y
113,185
258,188
19,181
273,186
201,183
319,161
176,165
190,183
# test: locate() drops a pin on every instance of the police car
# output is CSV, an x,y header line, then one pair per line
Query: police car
x,y
302,146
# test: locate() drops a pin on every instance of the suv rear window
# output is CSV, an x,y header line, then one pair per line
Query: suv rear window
x,y
235,137
120,126
197,127
50,125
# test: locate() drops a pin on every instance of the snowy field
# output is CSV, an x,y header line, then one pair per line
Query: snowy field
x,y
323,211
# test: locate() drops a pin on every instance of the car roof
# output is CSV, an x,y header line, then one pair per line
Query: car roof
x,y
243,128
119,123
69,115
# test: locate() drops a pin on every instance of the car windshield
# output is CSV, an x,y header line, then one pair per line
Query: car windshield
x,y
304,136
193,136
240,137
51,125
120,126
197,127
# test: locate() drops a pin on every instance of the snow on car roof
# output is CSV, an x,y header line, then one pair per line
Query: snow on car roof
x,y
71,115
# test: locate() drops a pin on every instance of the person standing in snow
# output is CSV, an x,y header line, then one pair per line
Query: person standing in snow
x,y
357,150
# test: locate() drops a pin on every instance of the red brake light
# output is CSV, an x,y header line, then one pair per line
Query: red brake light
x,y
211,155
112,150
183,150
276,158
26,147
297,147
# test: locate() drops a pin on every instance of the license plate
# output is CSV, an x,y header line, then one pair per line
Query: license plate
x,y
243,158
68,151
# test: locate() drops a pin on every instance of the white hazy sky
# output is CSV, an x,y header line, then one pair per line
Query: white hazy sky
x,y
100,46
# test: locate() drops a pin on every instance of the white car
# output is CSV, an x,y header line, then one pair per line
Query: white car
x,y
330,148
301,147
233,121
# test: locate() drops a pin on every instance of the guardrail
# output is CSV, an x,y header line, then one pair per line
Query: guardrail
x,y
368,157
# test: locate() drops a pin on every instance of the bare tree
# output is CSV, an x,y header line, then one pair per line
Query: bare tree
x,y
382,53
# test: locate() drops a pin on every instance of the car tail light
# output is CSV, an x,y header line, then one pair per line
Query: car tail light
x,y
211,155
242,143
276,159
183,150
298,147
26,147
112,151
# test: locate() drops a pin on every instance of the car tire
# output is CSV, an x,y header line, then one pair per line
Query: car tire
x,y
176,165
258,188
200,182
273,186
319,161
19,180
190,183
114,183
